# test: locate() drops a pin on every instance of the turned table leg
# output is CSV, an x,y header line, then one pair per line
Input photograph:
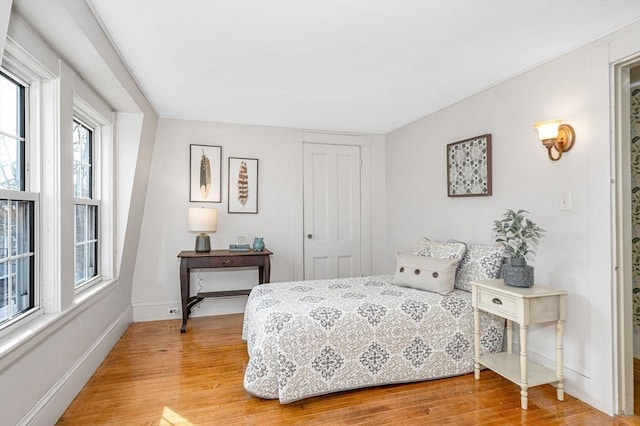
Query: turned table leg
x,y
559,360
524,394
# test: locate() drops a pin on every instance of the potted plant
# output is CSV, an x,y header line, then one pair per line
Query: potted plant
x,y
519,236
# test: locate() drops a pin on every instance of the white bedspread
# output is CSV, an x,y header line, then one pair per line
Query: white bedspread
x,y
315,337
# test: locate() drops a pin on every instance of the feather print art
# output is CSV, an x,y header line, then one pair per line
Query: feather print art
x,y
205,176
243,184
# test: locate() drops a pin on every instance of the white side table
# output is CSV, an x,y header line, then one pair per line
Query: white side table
x,y
525,306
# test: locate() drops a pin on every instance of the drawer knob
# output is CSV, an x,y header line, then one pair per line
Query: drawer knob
x,y
497,301
226,261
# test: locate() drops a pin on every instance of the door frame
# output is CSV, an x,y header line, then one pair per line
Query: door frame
x,y
364,142
623,275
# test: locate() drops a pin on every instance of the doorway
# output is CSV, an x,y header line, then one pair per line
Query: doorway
x,y
627,147
332,211
634,104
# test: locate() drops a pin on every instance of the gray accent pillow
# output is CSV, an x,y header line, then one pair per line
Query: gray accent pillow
x,y
482,262
425,273
440,250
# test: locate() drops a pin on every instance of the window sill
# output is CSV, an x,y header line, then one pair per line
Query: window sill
x,y
24,336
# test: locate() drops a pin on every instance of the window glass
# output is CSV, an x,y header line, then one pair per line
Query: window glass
x,y
16,214
11,134
86,213
82,160
16,258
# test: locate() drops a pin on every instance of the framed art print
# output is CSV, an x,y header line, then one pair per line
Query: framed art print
x,y
205,174
469,167
243,185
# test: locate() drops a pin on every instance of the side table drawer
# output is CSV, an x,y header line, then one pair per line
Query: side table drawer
x,y
216,262
227,262
498,304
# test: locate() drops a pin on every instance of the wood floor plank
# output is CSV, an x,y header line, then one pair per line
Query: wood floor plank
x,y
157,376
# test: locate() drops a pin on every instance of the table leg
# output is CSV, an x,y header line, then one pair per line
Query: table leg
x,y
267,269
524,394
260,275
509,336
559,360
185,284
476,343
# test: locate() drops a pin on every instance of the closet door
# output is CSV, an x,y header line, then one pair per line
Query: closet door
x,y
331,211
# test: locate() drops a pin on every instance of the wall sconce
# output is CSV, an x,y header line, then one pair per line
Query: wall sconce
x,y
555,135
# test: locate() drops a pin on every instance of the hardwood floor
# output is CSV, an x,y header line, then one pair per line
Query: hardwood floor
x,y
157,376
636,387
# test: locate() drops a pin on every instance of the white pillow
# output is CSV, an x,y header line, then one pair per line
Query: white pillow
x,y
425,273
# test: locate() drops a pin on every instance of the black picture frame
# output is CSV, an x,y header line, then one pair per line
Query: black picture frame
x,y
469,167
205,173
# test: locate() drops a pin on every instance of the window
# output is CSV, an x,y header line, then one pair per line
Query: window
x,y
11,134
48,262
17,206
86,206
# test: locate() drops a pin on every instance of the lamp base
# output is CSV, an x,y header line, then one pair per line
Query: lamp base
x,y
203,243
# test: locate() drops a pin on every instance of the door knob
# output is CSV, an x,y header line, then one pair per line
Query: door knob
x,y
309,236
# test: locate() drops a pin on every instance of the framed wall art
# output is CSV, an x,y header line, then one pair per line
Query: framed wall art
x,y
205,174
243,185
469,167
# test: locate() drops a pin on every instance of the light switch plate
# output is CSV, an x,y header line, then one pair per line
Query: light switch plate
x,y
565,201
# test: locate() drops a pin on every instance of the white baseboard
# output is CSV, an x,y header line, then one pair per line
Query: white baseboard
x,y
576,379
53,403
208,307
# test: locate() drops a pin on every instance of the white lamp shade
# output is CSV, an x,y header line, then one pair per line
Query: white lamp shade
x,y
203,219
547,129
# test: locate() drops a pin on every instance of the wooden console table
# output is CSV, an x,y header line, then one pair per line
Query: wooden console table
x,y
525,306
215,259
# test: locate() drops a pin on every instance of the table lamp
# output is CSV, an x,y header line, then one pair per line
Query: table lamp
x,y
203,220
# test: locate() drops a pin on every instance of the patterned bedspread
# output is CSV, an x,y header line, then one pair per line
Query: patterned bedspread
x,y
315,337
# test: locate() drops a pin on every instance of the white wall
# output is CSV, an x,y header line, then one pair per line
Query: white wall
x,y
5,12
46,362
164,228
576,253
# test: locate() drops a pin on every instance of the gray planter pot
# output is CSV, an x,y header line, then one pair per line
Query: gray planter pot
x,y
517,273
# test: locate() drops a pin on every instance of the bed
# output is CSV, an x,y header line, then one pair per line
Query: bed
x,y
310,338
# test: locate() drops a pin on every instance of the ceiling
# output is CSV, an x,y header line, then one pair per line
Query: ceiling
x,y
347,66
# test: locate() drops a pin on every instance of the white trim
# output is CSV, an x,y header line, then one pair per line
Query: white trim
x,y
93,112
5,14
10,194
28,75
364,142
86,202
208,307
58,397
49,143
20,342
621,230
107,194
24,65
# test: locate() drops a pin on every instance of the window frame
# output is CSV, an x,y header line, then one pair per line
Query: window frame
x,y
103,186
28,191
22,132
54,97
92,201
